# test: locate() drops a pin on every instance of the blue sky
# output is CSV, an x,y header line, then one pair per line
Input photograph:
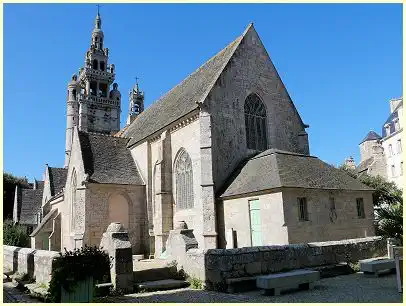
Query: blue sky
x,y
341,63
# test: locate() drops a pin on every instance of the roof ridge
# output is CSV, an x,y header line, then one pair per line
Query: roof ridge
x,y
278,151
237,44
194,72
104,135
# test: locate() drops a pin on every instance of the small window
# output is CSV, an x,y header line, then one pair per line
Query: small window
x,y
397,125
95,64
399,146
393,170
302,207
390,150
102,66
401,168
360,208
332,203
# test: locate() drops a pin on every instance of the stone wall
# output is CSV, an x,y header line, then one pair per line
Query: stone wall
x,y
222,264
250,71
35,263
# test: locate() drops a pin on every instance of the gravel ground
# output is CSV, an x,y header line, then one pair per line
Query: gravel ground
x,y
13,295
341,289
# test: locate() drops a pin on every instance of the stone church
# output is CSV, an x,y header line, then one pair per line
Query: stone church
x,y
224,153
382,155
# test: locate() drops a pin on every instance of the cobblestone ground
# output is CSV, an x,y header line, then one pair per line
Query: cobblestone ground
x,y
341,289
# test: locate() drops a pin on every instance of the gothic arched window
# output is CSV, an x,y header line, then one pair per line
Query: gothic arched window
x,y
255,123
184,180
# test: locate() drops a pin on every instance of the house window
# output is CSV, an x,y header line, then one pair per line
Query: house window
x,y
255,123
184,180
399,146
390,150
393,170
302,208
360,208
332,203
333,214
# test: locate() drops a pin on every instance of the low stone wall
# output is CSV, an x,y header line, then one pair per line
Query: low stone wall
x,y
35,263
43,265
215,266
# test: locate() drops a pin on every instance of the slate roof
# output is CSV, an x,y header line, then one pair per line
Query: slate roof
x,y
275,168
181,99
365,164
371,136
31,200
48,216
57,179
394,115
107,160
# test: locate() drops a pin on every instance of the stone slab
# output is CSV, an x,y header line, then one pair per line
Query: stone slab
x,y
287,279
163,284
373,265
138,257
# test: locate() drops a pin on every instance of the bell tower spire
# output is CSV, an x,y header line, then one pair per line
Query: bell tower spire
x,y
92,105
136,102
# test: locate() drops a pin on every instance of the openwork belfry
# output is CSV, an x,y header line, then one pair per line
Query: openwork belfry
x,y
184,180
255,123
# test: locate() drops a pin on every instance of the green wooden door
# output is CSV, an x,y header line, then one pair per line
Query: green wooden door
x,y
255,219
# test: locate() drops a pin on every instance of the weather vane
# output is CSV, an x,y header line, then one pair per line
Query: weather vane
x,y
98,8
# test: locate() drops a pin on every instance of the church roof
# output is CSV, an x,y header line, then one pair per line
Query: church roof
x,y
274,169
57,179
107,160
371,136
181,100
31,200
365,164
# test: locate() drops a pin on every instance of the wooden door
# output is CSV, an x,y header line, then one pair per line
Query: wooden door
x,y
255,220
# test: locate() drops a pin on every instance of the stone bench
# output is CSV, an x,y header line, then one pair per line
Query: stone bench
x,y
375,266
274,283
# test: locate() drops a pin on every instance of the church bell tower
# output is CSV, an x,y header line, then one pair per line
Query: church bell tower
x,y
91,105
136,103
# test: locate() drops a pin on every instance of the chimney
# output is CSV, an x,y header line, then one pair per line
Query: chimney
x,y
393,103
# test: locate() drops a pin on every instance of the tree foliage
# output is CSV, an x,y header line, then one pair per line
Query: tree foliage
x,y
388,204
77,265
9,185
15,234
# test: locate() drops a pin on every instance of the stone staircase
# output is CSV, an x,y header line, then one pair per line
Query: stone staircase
x,y
157,274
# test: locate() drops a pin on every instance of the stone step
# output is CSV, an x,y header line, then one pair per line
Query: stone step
x,y
154,274
164,284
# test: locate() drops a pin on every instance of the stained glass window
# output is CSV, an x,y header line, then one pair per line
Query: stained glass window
x,y
255,123
184,181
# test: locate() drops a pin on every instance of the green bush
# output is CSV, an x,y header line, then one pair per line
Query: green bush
x,y
195,283
77,265
15,234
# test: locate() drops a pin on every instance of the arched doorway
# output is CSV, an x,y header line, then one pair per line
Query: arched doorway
x,y
119,209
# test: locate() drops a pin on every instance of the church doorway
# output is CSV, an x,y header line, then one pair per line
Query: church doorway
x,y
119,210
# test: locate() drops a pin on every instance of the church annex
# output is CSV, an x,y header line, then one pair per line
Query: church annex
x,y
224,153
